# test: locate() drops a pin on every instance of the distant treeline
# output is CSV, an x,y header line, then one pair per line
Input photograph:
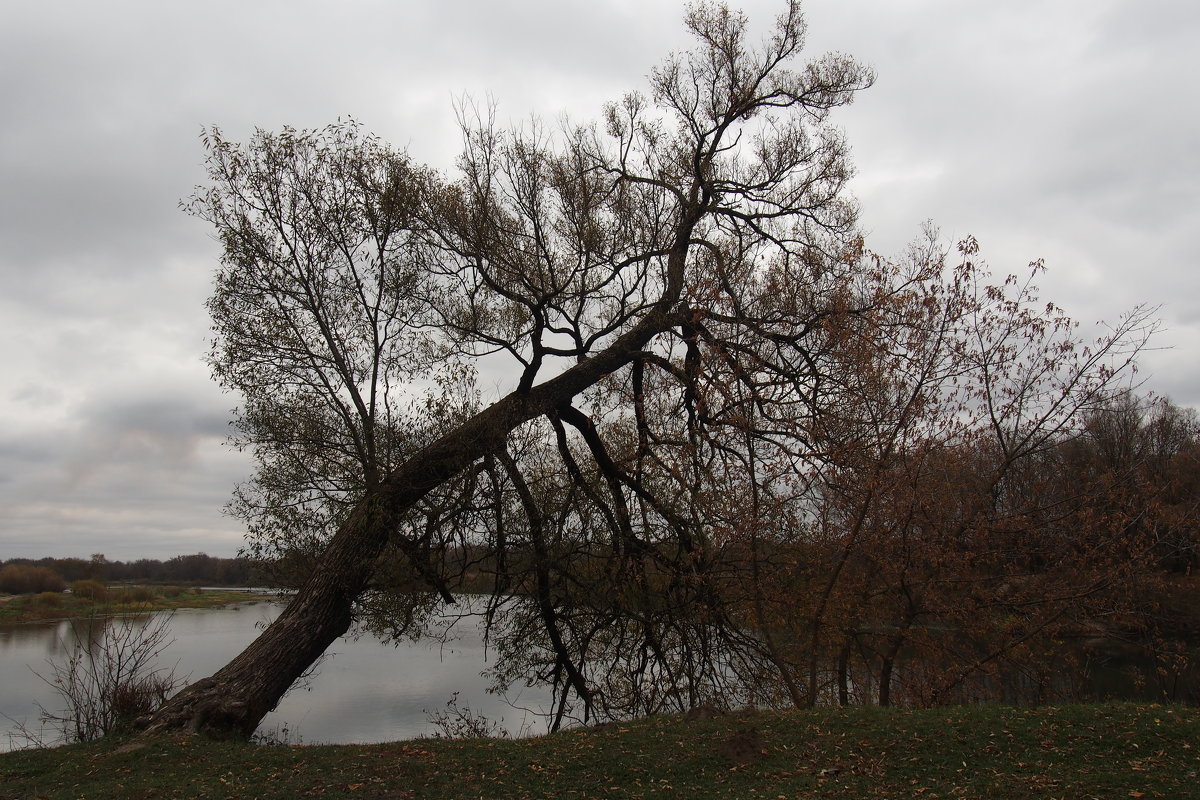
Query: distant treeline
x,y
199,568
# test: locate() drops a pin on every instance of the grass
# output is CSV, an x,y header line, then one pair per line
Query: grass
x,y
1108,751
138,599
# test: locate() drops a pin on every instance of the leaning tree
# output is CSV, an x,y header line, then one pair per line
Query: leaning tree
x,y
699,346
349,273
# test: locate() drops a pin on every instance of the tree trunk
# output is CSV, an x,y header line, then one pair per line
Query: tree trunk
x,y
885,670
843,677
885,681
240,694
235,699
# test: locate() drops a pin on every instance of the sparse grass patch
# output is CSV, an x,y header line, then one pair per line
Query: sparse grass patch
x,y
1110,751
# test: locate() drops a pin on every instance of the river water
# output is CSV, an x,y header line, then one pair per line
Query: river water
x,y
365,690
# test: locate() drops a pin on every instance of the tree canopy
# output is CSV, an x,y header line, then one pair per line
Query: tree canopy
x,y
723,406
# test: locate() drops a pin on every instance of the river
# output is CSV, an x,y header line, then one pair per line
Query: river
x,y
365,690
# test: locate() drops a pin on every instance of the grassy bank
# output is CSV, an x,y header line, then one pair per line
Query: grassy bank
x,y
1113,751
117,600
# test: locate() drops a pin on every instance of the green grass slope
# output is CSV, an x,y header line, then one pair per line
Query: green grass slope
x,y
1110,751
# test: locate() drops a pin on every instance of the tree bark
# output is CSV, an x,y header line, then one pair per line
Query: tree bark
x,y
885,681
887,666
843,674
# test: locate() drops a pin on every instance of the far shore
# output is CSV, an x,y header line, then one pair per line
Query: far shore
x,y
137,599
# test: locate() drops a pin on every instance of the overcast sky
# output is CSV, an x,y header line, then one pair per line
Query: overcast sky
x,y
1059,129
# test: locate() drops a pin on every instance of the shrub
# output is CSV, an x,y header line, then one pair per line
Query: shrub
x,y
108,679
141,594
23,579
90,590
463,723
48,600
131,595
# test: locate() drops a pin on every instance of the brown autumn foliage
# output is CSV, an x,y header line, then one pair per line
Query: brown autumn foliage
x,y
974,536
89,589
22,579
917,538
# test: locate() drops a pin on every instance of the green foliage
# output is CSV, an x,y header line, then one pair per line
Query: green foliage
x,y
325,374
993,752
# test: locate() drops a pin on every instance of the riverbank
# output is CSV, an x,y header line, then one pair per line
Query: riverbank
x,y
1108,751
49,606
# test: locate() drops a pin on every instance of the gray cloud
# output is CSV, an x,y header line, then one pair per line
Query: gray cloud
x,y
1061,129
163,431
132,470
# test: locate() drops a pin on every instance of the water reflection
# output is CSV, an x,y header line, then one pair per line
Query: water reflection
x,y
364,691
